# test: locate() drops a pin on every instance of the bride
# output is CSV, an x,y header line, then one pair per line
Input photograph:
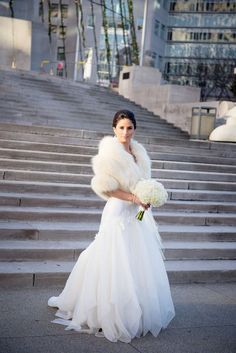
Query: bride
x,y
119,286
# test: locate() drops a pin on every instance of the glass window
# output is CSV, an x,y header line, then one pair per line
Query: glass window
x,y
41,10
172,5
64,11
160,62
53,29
54,10
62,32
163,29
169,35
202,6
90,21
139,24
60,53
156,27
184,35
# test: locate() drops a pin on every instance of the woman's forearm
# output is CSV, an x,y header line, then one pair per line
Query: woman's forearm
x,y
120,194
127,196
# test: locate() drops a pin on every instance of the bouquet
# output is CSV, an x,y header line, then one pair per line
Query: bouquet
x,y
150,192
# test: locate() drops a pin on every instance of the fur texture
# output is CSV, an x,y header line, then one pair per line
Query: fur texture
x,y
114,168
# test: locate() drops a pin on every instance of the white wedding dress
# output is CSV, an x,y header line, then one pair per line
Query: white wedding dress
x,y
119,283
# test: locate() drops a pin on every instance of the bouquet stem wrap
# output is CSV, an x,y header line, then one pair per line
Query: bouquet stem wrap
x,y
140,214
152,192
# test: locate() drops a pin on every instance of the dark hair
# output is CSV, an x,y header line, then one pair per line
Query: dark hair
x,y
124,114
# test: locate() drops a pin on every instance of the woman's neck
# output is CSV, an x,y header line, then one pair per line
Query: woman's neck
x,y
127,146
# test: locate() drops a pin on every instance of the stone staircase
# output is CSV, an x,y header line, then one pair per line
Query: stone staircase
x,y
48,212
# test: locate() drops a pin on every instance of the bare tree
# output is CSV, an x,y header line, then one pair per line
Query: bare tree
x,y
215,76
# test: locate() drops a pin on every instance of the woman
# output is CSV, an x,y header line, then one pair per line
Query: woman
x,y
119,287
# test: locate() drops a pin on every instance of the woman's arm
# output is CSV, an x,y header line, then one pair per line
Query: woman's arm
x,y
127,196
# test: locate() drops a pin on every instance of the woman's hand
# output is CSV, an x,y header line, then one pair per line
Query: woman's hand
x,y
137,201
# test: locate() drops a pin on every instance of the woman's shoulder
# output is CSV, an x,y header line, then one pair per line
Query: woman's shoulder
x,y
106,142
109,146
138,148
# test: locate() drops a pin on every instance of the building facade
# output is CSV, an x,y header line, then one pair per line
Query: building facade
x,y
200,33
187,40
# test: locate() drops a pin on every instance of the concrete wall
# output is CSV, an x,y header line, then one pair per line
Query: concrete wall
x,y
180,114
172,102
140,79
15,43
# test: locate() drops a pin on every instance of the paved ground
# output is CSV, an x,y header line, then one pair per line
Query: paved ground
x,y
205,322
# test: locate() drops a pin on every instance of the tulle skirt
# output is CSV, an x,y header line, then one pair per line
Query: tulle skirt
x,y
119,283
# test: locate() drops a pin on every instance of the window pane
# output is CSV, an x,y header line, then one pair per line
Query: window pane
x,y
54,10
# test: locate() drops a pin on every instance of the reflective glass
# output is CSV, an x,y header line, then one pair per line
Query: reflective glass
x,y
201,50
192,34
197,20
202,6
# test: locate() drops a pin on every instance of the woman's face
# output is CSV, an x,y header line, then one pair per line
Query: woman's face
x,y
124,130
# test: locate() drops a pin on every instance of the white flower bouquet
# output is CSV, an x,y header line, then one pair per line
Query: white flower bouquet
x,y
150,192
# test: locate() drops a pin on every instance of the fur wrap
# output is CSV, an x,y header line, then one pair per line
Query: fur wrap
x,y
114,168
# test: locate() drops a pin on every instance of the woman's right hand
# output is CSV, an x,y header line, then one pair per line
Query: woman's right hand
x,y
137,201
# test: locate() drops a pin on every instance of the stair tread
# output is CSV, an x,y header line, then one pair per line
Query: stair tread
x,y
78,244
93,226
93,149
159,157
50,266
171,171
78,185
96,211
43,162
97,199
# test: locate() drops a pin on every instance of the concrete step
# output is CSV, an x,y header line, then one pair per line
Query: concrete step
x,y
44,138
92,215
18,169
46,134
38,200
202,195
22,230
80,158
202,167
177,250
51,273
15,131
29,118
47,177
201,271
20,175
98,119
82,148
85,158
160,169
45,166
48,88
191,158
45,120
31,250
13,186
46,147
193,175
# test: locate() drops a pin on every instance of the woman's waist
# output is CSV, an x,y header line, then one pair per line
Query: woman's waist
x,y
117,206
